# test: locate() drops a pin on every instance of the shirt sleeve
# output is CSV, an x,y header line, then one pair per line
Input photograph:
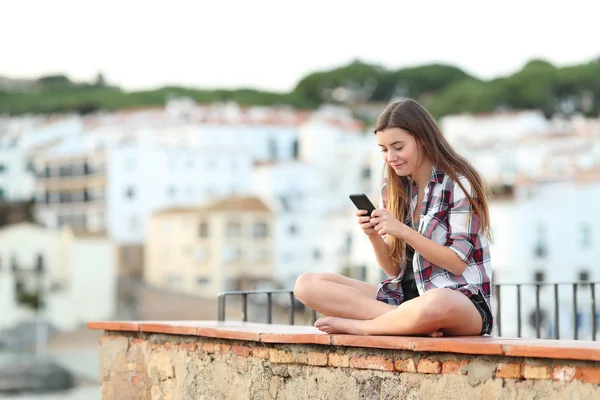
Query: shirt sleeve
x,y
463,228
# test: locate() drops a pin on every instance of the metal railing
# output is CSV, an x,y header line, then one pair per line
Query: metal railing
x,y
508,309
572,293
222,298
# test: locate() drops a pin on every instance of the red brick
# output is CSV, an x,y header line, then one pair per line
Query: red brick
x,y
563,374
207,347
134,380
190,346
301,358
427,366
319,359
407,365
280,356
216,348
136,341
588,375
453,366
242,351
536,372
223,348
338,360
509,371
260,352
372,362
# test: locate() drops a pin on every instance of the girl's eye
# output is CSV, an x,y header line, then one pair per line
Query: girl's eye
x,y
384,150
399,148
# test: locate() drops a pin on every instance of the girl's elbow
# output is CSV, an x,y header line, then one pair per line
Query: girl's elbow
x,y
460,268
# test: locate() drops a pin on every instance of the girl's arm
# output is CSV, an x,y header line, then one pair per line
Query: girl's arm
x,y
383,257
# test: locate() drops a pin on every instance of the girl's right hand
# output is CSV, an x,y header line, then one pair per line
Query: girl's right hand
x,y
364,222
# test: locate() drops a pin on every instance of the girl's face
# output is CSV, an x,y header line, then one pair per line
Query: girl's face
x,y
400,150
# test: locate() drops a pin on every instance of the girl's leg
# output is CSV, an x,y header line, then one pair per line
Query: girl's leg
x,y
445,310
340,296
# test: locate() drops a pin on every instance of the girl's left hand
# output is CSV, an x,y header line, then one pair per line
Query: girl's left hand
x,y
385,223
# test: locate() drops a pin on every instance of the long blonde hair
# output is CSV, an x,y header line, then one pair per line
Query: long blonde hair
x,y
413,118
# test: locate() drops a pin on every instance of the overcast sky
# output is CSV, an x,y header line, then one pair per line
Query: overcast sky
x,y
270,44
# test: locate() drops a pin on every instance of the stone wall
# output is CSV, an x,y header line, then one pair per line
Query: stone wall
x,y
137,365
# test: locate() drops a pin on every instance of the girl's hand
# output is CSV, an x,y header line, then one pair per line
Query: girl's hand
x,y
385,223
364,221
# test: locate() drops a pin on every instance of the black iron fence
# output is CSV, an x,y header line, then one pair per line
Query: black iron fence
x,y
540,310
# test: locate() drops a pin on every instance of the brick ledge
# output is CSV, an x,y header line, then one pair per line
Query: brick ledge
x,y
541,348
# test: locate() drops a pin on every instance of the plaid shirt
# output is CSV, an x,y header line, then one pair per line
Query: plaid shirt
x,y
445,221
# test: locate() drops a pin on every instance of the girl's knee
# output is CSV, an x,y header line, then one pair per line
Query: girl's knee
x,y
305,285
439,305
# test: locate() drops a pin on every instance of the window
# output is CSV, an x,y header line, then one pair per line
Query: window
x,y
272,149
317,254
348,244
230,254
172,191
362,273
365,173
203,229
234,229
260,230
292,230
584,276
189,163
130,192
539,276
39,263
285,203
295,149
586,236
2,168
540,249
202,281
174,280
2,195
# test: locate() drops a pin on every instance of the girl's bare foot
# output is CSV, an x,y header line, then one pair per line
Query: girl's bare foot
x,y
340,325
350,326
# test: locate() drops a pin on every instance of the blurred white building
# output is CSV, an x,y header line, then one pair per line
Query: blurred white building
x,y
20,135
311,193
544,232
97,184
492,127
73,275
507,145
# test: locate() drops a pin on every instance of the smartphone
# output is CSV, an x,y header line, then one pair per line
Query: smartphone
x,y
362,202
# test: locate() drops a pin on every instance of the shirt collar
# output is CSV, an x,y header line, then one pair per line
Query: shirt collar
x,y
437,175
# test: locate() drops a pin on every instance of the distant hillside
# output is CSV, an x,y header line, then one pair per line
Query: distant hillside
x,y
444,89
